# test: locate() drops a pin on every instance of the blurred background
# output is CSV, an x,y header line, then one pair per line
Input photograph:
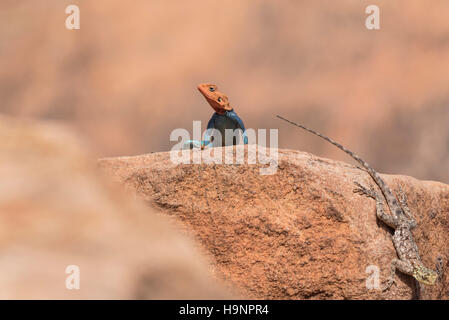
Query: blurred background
x,y
128,77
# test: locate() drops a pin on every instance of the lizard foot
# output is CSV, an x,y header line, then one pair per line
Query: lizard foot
x,y
363,191
388,285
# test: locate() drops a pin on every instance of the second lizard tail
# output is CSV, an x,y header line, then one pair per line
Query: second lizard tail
x,y
391,199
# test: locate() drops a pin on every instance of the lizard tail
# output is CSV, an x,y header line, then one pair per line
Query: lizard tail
x,y
391,199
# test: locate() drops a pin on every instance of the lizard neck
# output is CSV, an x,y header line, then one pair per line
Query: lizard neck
x,y
223,112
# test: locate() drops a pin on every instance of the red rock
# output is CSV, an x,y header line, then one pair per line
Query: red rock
x,y
298,234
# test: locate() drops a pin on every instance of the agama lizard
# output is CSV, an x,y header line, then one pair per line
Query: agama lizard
x,y
400,220
223,118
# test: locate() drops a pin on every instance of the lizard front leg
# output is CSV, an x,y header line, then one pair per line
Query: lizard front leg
x,y
380,211
396,264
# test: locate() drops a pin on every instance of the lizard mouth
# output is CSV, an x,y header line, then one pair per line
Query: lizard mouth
x,y
204,88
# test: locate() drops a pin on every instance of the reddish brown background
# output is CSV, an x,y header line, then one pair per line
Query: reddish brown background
x,y
128,76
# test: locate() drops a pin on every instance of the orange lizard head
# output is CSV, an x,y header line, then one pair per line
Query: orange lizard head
x,y
217,100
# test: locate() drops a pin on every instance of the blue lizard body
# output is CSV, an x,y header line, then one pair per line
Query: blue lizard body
x,y
221,122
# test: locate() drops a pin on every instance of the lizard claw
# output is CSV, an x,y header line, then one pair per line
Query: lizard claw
x,y
363,191
387,287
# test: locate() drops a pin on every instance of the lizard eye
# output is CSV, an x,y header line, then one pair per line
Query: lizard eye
x,y
211,89
219,99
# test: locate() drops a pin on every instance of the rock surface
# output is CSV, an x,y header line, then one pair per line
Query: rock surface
x,y
299,233
57,211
